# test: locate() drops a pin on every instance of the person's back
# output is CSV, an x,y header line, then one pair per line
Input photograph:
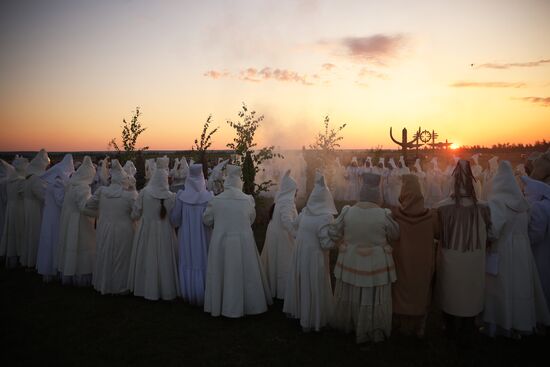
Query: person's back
x,y
12,236
414,256
308,292
236,284
193,235
279,239
514,302
153,270
116,210
76,249
460,285
538,195
232,213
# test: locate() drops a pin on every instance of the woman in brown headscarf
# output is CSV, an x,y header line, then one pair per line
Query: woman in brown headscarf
x,y
414,255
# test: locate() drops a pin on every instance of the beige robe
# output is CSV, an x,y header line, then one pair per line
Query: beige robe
x,y
460,274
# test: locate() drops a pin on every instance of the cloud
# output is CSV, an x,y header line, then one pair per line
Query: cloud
x,y
366,72
541,101
529,64
378,48
464,84
328,66
215,74
267,73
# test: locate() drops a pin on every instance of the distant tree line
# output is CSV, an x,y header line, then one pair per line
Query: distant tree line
x,y
539,145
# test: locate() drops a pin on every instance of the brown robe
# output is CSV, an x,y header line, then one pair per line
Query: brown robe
x,y
414,253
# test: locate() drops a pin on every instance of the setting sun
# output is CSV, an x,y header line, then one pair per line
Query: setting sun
x,y
455,146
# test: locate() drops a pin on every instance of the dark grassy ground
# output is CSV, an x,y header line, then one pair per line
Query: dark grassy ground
x,y
47,324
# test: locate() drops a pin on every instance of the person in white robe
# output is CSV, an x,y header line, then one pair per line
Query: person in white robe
x,y
179,175
279,238
391,184
131,170
460,277
56,179
477,171
76,249
353,177
215,180
154,261
236,284
193,235
150,167
308,293
403,169
418,172
33,190
102,174
488,177
365,269
14,223
537,194
115,232
6,170
447,179
514,299
434,194
367,166
338,180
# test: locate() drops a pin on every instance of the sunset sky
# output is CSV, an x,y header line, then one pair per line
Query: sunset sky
x,y
70,70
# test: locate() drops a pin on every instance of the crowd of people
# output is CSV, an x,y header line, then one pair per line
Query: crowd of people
x,y
474,243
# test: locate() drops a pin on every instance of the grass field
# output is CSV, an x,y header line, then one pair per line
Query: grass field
x,y
47,324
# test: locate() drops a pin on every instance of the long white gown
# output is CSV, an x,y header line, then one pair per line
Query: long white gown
x,y
14,223
33,190
76,250
153,265
114,234
538,195
308,294
56,178
5,170
236,284
193,235
514,299
279,239
353,179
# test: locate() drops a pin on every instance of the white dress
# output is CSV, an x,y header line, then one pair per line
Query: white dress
x,y
49,232
193,238
3,203
14,223
279,245
514,297
308,295
235,281
76,251
34,189
114,236
538,195
353,177
153,265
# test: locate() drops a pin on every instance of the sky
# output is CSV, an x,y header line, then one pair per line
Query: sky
x,y
477,72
